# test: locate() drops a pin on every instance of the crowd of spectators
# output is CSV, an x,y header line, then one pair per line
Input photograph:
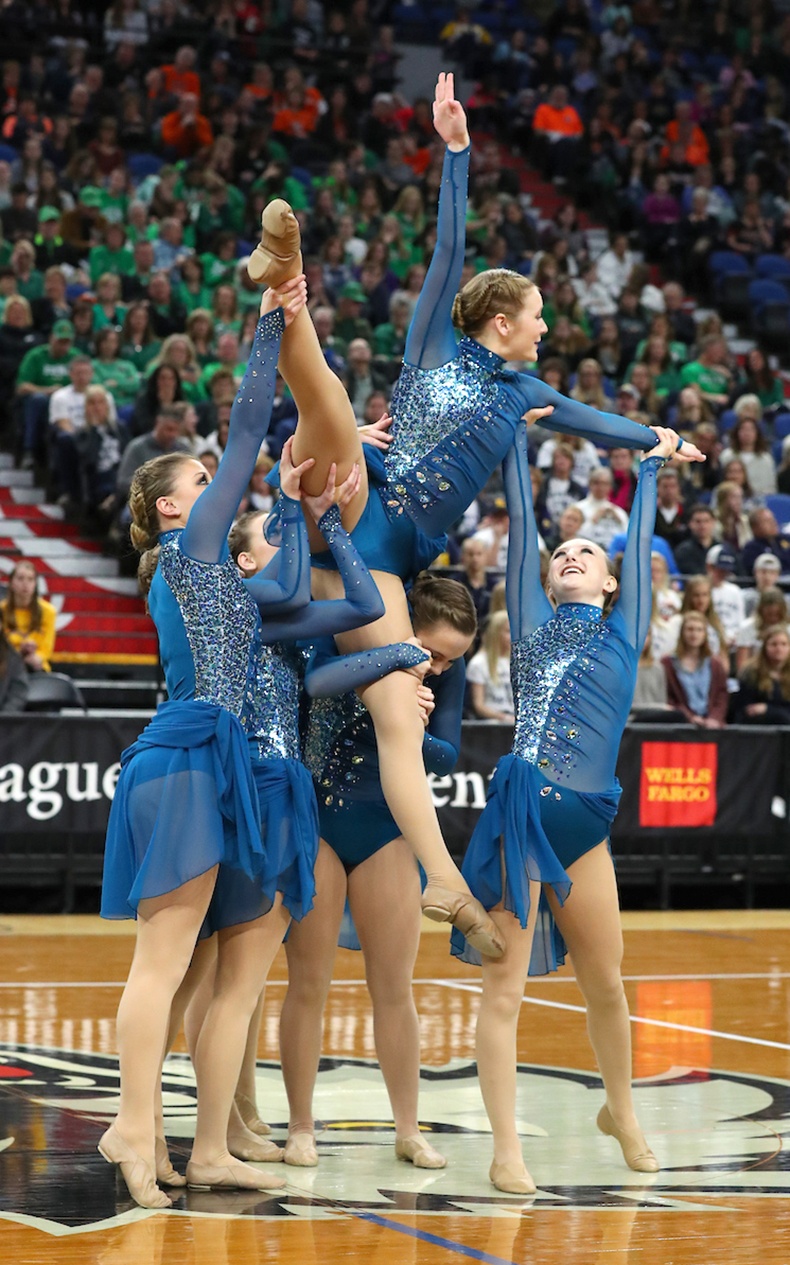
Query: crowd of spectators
x,y
140,141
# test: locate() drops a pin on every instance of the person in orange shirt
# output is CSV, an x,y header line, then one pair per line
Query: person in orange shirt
x,y
185,130
684,131
298,117
180,75
558,129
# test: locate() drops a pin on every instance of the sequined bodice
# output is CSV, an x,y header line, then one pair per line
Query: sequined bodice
x,y
218,618
429,404
573,680
340,750
271,714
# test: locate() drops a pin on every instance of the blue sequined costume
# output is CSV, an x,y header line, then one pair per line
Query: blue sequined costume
x,y
456,408
289,814
341,754
185,799
555,795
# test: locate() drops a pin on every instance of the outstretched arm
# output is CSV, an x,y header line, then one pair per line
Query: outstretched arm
x,y
607,430
431,340
636,586
527,604
329,674
205,535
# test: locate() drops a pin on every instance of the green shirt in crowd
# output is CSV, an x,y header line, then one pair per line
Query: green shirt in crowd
x,y
42,369
709,379
119,377
101,259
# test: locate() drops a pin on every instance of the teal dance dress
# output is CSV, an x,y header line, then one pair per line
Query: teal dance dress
x,y
555,795
186,798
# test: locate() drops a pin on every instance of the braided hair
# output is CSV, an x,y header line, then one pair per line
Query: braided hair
x,y
153,479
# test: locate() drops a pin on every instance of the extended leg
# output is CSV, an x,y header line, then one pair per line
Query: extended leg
x,y
384,897
167,928
497,1025
245,954
392,703
310,950
590,924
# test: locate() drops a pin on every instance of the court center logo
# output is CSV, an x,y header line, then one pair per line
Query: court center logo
x,y
716,1134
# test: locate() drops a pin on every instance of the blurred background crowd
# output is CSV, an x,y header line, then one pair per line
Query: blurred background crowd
x,y
633,159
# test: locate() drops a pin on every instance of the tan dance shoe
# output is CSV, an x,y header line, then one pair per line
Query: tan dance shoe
x,y
636,1152
277,257
418,1151
513,1179
135,1171
165,1173
248,1110
464,911
233,1176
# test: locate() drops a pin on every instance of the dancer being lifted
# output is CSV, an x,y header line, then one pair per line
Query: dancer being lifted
x,y
456,410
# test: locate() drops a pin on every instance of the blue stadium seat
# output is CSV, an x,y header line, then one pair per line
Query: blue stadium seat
x,y
726,420
782,425
772,267
762,291
142,165
721,261
779,504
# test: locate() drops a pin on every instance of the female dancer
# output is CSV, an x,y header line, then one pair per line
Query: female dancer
x,y
186,800
456,410
363,856
552,800
285,789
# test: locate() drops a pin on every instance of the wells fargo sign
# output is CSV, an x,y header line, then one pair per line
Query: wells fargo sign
x,y
678,784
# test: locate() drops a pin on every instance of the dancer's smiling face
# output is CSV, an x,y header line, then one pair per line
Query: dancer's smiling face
x,y
579,572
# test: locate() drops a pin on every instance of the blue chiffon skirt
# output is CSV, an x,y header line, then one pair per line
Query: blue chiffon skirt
x,y
185,801
289,829
511,837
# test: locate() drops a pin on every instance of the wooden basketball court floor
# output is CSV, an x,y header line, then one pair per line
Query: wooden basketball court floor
x,y
710,997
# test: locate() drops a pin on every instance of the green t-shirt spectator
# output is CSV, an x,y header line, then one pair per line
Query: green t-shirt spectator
x,y
140,355
42,369
387,341
217,272
32,288
119,377
193,299
101,259
114,207
709,379
291,189
101,320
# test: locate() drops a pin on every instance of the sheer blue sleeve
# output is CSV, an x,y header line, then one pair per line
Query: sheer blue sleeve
x,y
284,585
636,584
329,674
441,745
206,532
362,604
570,417
431,339
527,604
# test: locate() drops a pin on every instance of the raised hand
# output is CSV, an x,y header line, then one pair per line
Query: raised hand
x,y
291,475
449,117
317,506
377,433
290,295
668,447
535,414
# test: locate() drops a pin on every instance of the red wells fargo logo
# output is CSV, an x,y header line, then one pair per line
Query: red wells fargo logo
x,y
678,784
